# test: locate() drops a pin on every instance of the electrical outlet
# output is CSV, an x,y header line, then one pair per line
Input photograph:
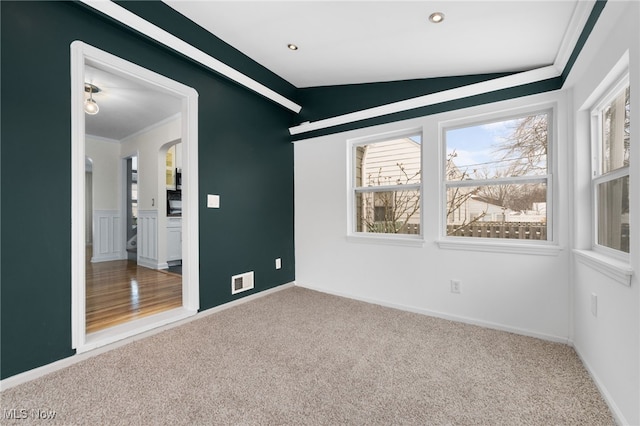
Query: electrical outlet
x,y
594,304
455,286
278,263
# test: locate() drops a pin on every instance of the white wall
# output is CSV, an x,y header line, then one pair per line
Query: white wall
x,y
520,292
150,145
106,171
146,145
609,342
106,219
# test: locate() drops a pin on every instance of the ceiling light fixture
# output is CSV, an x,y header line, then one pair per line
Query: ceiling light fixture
x,y
90,106
436,17
292,46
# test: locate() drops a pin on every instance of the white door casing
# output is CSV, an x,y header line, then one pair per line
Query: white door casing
x,y
83,54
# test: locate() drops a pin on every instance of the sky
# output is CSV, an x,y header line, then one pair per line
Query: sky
x,y
476,146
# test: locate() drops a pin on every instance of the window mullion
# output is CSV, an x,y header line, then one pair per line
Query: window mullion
x,y
498,181
387,188
613,175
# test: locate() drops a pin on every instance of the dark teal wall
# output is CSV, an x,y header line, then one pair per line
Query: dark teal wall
x,y
484,98
330,101
245,156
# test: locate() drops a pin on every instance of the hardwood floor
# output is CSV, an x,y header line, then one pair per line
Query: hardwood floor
x,y
120,291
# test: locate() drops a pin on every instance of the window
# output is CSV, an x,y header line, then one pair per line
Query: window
x,y
387,185
610,177
497,179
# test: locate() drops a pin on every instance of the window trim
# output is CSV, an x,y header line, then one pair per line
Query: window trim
x,y
610,92
534,247
413,240
615,269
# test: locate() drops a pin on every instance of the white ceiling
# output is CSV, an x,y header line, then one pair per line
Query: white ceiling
x,y
346,42
126,105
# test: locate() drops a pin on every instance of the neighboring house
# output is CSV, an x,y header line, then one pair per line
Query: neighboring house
x,y
382,163
393,162
464,206
477,208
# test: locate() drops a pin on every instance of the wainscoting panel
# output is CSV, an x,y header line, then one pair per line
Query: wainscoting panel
x,y
107,236
148,238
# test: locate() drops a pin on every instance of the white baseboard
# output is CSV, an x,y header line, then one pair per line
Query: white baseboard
x,y
38,372
148,263
107,258
456,318
608,399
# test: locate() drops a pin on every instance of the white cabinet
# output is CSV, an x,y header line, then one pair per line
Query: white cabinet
x,y
174,239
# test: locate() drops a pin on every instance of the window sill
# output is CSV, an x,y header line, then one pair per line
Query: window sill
x,y
613,268
395,240
500,247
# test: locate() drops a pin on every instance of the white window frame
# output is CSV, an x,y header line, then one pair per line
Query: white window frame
x,y
612,263
353,235
597,177
549,246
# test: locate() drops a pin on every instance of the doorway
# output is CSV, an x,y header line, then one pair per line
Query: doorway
x,y
84,56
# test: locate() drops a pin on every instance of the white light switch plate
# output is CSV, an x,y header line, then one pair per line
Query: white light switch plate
x,y
213,201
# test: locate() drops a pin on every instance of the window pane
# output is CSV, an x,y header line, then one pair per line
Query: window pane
x,y
501,149
613,214
498,211
393,162
615,133
388,212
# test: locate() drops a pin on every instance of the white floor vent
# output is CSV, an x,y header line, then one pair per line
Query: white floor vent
x,y
242,282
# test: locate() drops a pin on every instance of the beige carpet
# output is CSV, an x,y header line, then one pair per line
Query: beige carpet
x,y
301,357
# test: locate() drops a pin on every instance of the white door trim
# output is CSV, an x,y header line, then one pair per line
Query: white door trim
x,y
83,54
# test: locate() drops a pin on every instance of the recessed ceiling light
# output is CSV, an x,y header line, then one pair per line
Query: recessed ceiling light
x,y
292,46
436,17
